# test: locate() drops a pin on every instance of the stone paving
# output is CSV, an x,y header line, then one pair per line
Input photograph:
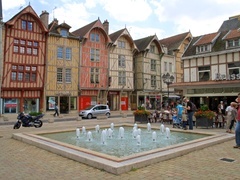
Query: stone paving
x,y
23,161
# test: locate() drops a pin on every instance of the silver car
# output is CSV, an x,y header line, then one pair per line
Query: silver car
x,y
95,110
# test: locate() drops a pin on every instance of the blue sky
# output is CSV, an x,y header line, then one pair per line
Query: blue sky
x,y
142,18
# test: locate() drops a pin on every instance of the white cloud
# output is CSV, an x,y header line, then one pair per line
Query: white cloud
x,y
200,17
127,10
73,14
11,4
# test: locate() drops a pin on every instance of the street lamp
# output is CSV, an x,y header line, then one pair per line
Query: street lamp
x,y
168,79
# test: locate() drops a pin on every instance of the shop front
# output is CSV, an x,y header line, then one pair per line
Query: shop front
x,y
66,103
13,105
151,100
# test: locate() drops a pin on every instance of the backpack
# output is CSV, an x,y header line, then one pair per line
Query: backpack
x,y
194,108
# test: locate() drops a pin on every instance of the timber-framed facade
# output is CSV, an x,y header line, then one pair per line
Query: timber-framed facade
x,y
24,59
62,83
121,72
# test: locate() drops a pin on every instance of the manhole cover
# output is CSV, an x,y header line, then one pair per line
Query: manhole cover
x,y
227,160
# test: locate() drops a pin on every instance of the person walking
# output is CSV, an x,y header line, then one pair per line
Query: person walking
x,y
231,116
56,110
190,112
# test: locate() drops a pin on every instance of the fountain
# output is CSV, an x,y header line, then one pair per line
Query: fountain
x,y
83,130
78,133
103,137
112,126
97,128
133,148
134,133
167,132
121,133
149,127
154,136
138,140
110,133
89,136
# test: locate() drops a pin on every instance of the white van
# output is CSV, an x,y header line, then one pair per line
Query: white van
x,y
95,110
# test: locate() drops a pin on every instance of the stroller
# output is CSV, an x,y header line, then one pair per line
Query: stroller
x,y
177,122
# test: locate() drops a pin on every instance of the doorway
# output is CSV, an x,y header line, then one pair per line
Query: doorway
x,y
64,104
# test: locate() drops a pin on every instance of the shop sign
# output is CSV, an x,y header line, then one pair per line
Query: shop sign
x,y
220,77
10,105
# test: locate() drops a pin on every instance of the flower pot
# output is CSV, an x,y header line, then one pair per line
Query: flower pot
x,y
204,122
141,118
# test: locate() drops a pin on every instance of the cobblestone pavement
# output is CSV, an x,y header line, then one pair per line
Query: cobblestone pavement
x,y
19,160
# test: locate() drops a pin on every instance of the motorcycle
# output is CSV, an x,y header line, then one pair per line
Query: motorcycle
x,y
28,121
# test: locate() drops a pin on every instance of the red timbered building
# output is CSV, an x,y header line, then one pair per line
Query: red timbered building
x,y
24,58
93,71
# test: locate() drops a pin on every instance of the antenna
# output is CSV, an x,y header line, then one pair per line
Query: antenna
x,y
53,11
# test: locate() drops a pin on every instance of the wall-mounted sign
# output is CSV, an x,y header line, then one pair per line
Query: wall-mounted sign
x,y
220,77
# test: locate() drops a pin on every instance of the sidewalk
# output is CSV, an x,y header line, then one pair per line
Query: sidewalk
x,y
10,119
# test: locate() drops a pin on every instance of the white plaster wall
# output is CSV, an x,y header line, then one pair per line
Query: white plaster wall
x,y
214,60
186,75
193,74
207,61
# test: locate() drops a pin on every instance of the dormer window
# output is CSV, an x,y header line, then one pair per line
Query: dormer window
x,y
203,48
152,49
233,43
63,33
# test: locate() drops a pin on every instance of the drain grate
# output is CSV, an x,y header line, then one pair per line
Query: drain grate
x,y
227,160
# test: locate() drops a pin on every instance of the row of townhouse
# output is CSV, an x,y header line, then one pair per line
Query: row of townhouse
x,y
212,66
44,63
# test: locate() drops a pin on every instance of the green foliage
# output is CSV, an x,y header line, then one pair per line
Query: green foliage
x,y
141,108
204,108
141,111
204,112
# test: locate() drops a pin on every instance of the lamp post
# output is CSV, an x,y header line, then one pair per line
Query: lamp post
x,y
168,79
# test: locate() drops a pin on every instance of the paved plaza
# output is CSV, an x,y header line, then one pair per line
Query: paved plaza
x,y
19,160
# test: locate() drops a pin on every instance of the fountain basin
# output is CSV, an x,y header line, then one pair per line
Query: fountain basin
x,y
114,164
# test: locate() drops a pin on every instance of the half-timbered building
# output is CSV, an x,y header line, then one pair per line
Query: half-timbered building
x,y
93,68
24,59
212,66
174,48
147,73
121,74
61,85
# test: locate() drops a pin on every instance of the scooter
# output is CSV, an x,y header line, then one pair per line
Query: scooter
x,y
28,121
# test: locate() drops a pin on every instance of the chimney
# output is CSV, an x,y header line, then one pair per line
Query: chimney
x,y
45,18
106,26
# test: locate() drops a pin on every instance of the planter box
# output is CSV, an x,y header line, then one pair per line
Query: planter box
x,y
204,122
141,118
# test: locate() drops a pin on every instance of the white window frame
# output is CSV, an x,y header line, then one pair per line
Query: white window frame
x,y
121,78
153,64
122,61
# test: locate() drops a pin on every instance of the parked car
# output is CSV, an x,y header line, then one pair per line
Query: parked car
x,y
95,110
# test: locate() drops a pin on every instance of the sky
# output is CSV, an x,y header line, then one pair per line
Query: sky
x,y
142,18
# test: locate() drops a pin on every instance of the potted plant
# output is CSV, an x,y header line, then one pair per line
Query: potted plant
x,y
204,117
141,114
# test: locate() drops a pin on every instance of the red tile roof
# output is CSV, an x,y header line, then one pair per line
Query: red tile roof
x,y
232,34
174,42
207,39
